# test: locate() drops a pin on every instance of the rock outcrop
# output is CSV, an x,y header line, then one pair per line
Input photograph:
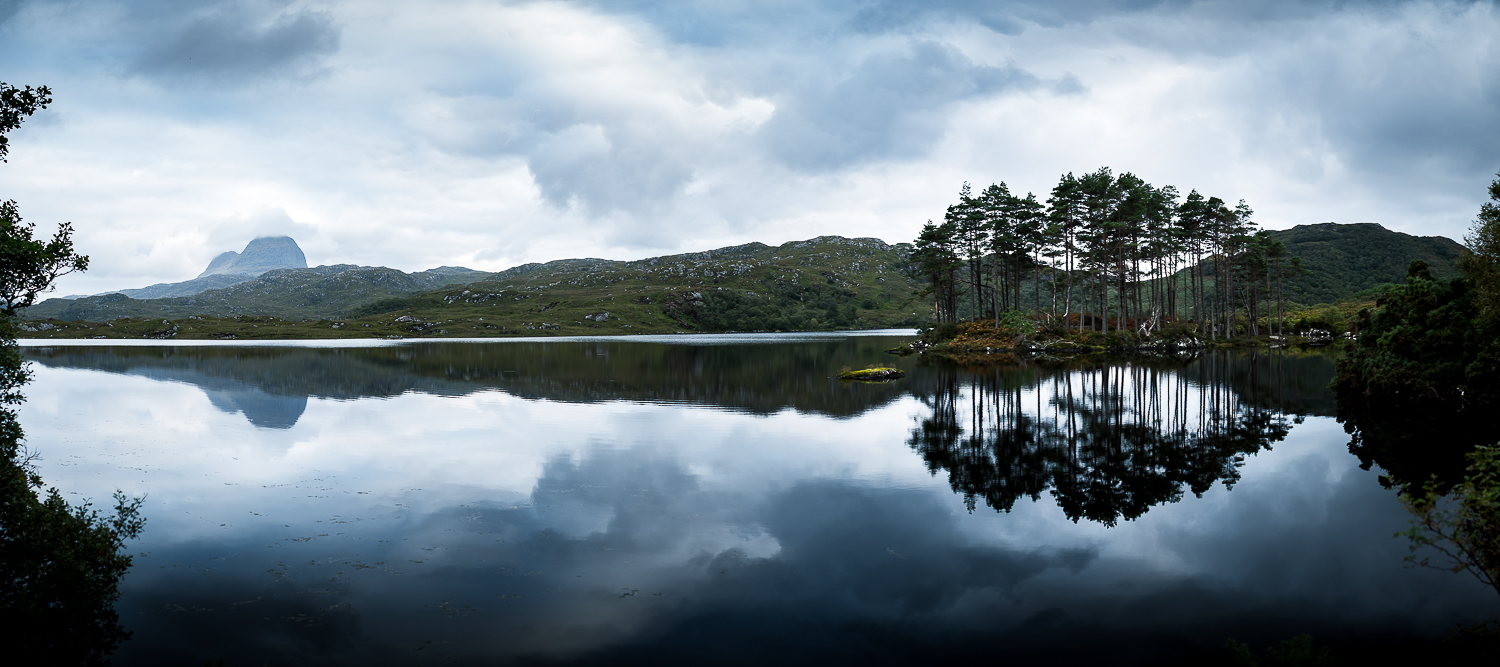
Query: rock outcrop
x,y
261,255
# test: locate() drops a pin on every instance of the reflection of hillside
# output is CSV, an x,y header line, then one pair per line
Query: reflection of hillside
x,y
1288,381
755,378
1111,440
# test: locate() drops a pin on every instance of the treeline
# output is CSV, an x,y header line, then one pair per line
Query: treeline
x,y
1106,252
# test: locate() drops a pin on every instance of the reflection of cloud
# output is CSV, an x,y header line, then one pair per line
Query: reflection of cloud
x,y
816,569
262,409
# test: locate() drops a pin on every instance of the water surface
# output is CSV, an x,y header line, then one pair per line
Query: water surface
x,y
723,499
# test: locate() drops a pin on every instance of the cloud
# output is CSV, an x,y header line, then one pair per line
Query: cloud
x,y
491,134
236,41
240,229
890,106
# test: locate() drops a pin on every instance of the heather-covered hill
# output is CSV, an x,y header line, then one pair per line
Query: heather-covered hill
x,y
1344,260
824,283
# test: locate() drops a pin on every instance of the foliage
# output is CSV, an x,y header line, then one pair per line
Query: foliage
x,y
60,564
1418,390
985,334
1482,262
1462,525
1121,253
1342,261
1297,651
16,104
823,283
29,267
1328,319
1418,394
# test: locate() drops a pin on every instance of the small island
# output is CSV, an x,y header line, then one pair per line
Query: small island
x,y
873,375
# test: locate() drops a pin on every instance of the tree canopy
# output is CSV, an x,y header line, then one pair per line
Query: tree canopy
x,y
1105,251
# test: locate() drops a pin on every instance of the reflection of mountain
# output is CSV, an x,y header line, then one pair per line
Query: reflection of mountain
x,y
262,409
1111,440
271,384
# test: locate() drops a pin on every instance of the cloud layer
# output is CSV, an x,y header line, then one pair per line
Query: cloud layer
x,y
492,133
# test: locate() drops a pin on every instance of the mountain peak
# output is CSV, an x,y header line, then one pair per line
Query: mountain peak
x,y
259,256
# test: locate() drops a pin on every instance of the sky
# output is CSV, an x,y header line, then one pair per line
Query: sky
x,y
490,134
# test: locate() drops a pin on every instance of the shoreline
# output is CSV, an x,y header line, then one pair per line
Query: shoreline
x,y
710,338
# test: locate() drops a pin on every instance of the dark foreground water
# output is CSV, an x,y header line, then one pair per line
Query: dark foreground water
x,y
720,499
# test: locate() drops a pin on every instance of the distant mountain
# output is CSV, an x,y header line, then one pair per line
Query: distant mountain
x,y
318,292
1343,260
261,255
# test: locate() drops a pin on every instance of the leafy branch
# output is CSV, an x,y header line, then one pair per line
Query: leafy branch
x,y
1463,525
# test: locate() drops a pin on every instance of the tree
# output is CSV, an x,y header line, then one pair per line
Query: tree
x,y
16,104
1124,244
60,564
1002,235
30,267
936,260
1066,213
966,219
1463,525
1458,518
1481,264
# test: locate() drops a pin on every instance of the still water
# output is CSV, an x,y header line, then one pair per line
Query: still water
x,y
721,499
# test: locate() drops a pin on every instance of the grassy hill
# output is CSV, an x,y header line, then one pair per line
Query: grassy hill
x,y
1344,260
324,291
829,282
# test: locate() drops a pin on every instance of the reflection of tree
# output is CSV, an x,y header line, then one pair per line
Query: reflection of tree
x,y
1109,440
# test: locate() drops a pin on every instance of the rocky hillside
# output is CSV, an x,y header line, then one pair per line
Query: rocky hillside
x,y
260,255
829,282
824,283
319,292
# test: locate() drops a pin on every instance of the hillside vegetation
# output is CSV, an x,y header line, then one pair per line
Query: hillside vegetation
x,y
321,292
829,282
824,283
1343,260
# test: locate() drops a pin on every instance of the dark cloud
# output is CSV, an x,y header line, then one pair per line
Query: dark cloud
x,y
715,23
892,105
233,42
9,8
1431,110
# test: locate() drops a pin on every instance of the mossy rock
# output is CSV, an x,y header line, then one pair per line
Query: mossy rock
x,y
873,375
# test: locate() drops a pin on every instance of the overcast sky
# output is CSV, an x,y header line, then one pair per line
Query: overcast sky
x,y
488,134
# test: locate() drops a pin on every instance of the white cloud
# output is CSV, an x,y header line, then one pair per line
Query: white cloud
x,y
490,134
